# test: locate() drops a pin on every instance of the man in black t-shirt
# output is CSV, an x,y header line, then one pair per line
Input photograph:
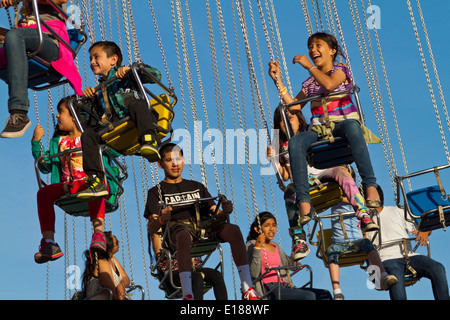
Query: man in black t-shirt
x,y
165,203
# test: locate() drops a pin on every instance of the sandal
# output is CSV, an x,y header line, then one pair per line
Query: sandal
x,y
373,203
306,218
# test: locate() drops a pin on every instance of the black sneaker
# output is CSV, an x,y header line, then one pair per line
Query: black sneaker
x,y
16,125
149,148
96,189
48,252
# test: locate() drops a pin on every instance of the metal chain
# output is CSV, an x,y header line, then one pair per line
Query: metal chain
x,y
180,75
191,91
427,73
372,78
200,83
161,49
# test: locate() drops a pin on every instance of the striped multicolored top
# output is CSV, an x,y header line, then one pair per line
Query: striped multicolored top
x,y
339,107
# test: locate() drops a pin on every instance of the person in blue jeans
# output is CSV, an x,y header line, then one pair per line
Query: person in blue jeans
x,y
333,116
347,236
394,227
24,39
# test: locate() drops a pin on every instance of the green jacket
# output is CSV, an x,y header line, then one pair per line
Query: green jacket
x,y
119,90
53,165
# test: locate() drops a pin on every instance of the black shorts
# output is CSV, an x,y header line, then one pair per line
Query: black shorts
x,y
208,229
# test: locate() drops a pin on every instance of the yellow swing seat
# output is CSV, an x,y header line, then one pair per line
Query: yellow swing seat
x,y
347,259
124,138
326,195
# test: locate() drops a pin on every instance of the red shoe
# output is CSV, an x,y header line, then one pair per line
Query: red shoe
x,y
250,294
188,297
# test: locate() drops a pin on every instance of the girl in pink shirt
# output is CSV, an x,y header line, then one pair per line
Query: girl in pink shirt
x,y
263,253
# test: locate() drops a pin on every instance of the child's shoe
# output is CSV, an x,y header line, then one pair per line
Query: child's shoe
x,y
15,126
48,251
188,297
98,243
388,282
367,224
149,148
338,296
250,294
300,249
95,189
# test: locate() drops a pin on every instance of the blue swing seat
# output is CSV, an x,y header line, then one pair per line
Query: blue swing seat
x,y
325,154
424,205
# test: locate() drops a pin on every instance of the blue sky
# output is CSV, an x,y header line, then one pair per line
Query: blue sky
x,y
421,139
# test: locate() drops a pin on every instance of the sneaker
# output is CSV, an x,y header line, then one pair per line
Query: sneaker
x,y
388,282
188,297
16,125
367,224
97,243
149,148
250,294
300,249
48,251
95,189
338,296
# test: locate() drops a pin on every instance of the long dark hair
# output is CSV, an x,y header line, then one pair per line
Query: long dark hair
x,y
89,265
330,40
62,104
259,221
277,118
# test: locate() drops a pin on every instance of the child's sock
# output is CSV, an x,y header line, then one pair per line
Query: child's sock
x,y
186,282
246,278
50,241
337,291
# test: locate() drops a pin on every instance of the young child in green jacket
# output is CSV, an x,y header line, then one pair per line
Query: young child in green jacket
x,y
117,99
67,175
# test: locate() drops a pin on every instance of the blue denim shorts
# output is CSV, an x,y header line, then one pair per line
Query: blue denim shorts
x,y
334,251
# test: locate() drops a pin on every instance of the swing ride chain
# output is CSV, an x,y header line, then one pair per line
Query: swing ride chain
x,y
428,81
161,49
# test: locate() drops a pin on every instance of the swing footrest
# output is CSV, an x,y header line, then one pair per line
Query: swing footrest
x,y
430,209
79,208
324,154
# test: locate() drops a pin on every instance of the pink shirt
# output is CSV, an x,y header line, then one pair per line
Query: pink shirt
x,y
272,260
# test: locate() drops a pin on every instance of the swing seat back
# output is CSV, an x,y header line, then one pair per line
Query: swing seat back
x,y
345,260
324,154
327,196
429,208
124,137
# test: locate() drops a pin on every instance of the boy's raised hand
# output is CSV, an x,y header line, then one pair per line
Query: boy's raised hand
x,y
38,133
89,92
121,72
